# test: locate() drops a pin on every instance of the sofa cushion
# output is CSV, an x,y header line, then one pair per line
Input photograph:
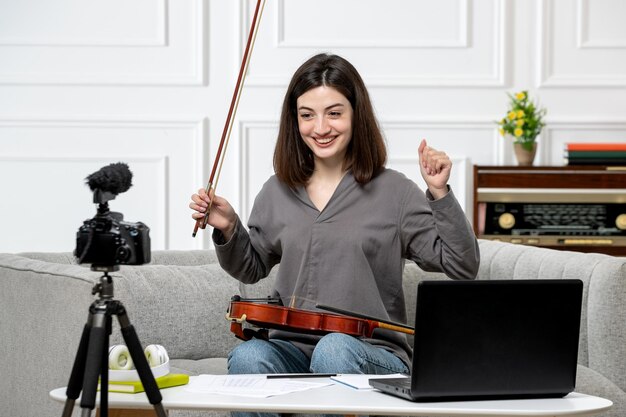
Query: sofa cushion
x,y
182,308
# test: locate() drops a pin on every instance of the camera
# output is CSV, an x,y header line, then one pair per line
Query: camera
x,y
106,240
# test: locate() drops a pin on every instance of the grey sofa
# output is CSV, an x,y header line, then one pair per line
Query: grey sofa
x,y
180,299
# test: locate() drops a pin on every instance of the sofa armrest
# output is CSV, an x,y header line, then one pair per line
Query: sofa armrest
x,y
603,325
44,307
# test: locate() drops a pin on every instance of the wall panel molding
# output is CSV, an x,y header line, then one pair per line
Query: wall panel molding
x,y
456,126
52,158
582,30
374,42
156,165
52,31
582,51
173,55
497,75
250,179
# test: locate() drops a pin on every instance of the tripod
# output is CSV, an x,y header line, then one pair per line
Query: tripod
x,y
91,359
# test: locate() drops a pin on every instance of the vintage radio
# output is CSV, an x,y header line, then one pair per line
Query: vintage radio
x,y
559,208
548,224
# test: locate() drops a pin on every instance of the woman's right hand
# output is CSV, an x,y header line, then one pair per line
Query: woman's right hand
x,y
222,215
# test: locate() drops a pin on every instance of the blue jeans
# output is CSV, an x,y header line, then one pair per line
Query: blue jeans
x,y
334,353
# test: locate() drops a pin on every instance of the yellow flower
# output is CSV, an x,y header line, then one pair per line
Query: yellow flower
x,y
522,121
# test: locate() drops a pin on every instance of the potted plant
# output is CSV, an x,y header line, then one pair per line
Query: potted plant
x,y
523,123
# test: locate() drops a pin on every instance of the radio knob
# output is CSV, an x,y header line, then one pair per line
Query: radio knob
x,y
507,220
620,221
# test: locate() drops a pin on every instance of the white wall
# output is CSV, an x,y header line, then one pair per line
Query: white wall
x,y
148,82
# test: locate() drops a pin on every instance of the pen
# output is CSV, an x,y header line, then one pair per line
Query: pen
x,y
272,376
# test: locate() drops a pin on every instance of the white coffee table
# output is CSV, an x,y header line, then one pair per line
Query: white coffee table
x,y
340,399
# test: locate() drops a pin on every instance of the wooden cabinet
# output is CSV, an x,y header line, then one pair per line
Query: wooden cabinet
x,y
581,208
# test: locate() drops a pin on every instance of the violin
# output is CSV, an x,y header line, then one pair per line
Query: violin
x,y
291,319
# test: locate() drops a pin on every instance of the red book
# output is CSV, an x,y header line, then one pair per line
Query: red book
x,y
596,146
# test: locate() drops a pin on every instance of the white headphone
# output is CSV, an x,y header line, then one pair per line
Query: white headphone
x,y
156,355
120,359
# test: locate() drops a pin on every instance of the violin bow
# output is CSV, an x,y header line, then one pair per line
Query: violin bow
x,y
234,103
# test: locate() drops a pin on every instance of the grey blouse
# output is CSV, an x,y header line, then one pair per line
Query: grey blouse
x,y
351,254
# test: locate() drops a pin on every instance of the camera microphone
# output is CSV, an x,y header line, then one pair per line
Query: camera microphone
x,y
114,178
106,240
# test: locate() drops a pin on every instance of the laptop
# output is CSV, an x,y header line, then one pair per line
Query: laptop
x,y
501,339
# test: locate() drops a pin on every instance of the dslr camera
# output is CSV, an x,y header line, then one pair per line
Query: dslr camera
x,y
106,240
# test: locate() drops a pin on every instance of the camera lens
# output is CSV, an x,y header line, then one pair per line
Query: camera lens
x,y
122,253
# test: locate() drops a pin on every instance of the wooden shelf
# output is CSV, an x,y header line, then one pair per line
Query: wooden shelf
x,y
582,176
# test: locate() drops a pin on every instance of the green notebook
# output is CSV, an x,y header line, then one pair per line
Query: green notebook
x,y
165,381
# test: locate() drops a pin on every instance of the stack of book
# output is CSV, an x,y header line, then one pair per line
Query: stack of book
x,y
595,154
132,387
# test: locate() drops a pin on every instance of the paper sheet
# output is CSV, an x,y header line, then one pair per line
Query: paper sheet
x,y
248,385
361,381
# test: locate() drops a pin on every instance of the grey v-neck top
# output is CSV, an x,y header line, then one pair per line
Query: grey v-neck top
x,y
351,254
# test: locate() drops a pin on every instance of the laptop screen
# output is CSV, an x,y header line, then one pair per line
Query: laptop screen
x,y
496,338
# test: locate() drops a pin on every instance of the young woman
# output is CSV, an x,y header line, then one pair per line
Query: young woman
x,y
341,226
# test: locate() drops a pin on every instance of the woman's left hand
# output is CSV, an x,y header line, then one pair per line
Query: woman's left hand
x,y
435,167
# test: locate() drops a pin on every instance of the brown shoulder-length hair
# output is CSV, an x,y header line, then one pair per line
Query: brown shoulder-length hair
x,y
366,154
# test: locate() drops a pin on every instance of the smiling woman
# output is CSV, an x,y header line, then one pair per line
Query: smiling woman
x,y
341,225
325,124
330,86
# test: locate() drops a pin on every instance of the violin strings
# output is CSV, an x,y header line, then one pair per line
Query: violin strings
x,y
295,298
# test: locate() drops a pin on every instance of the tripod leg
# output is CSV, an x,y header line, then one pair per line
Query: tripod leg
x,y
141,363
104,371
97,337
75,385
